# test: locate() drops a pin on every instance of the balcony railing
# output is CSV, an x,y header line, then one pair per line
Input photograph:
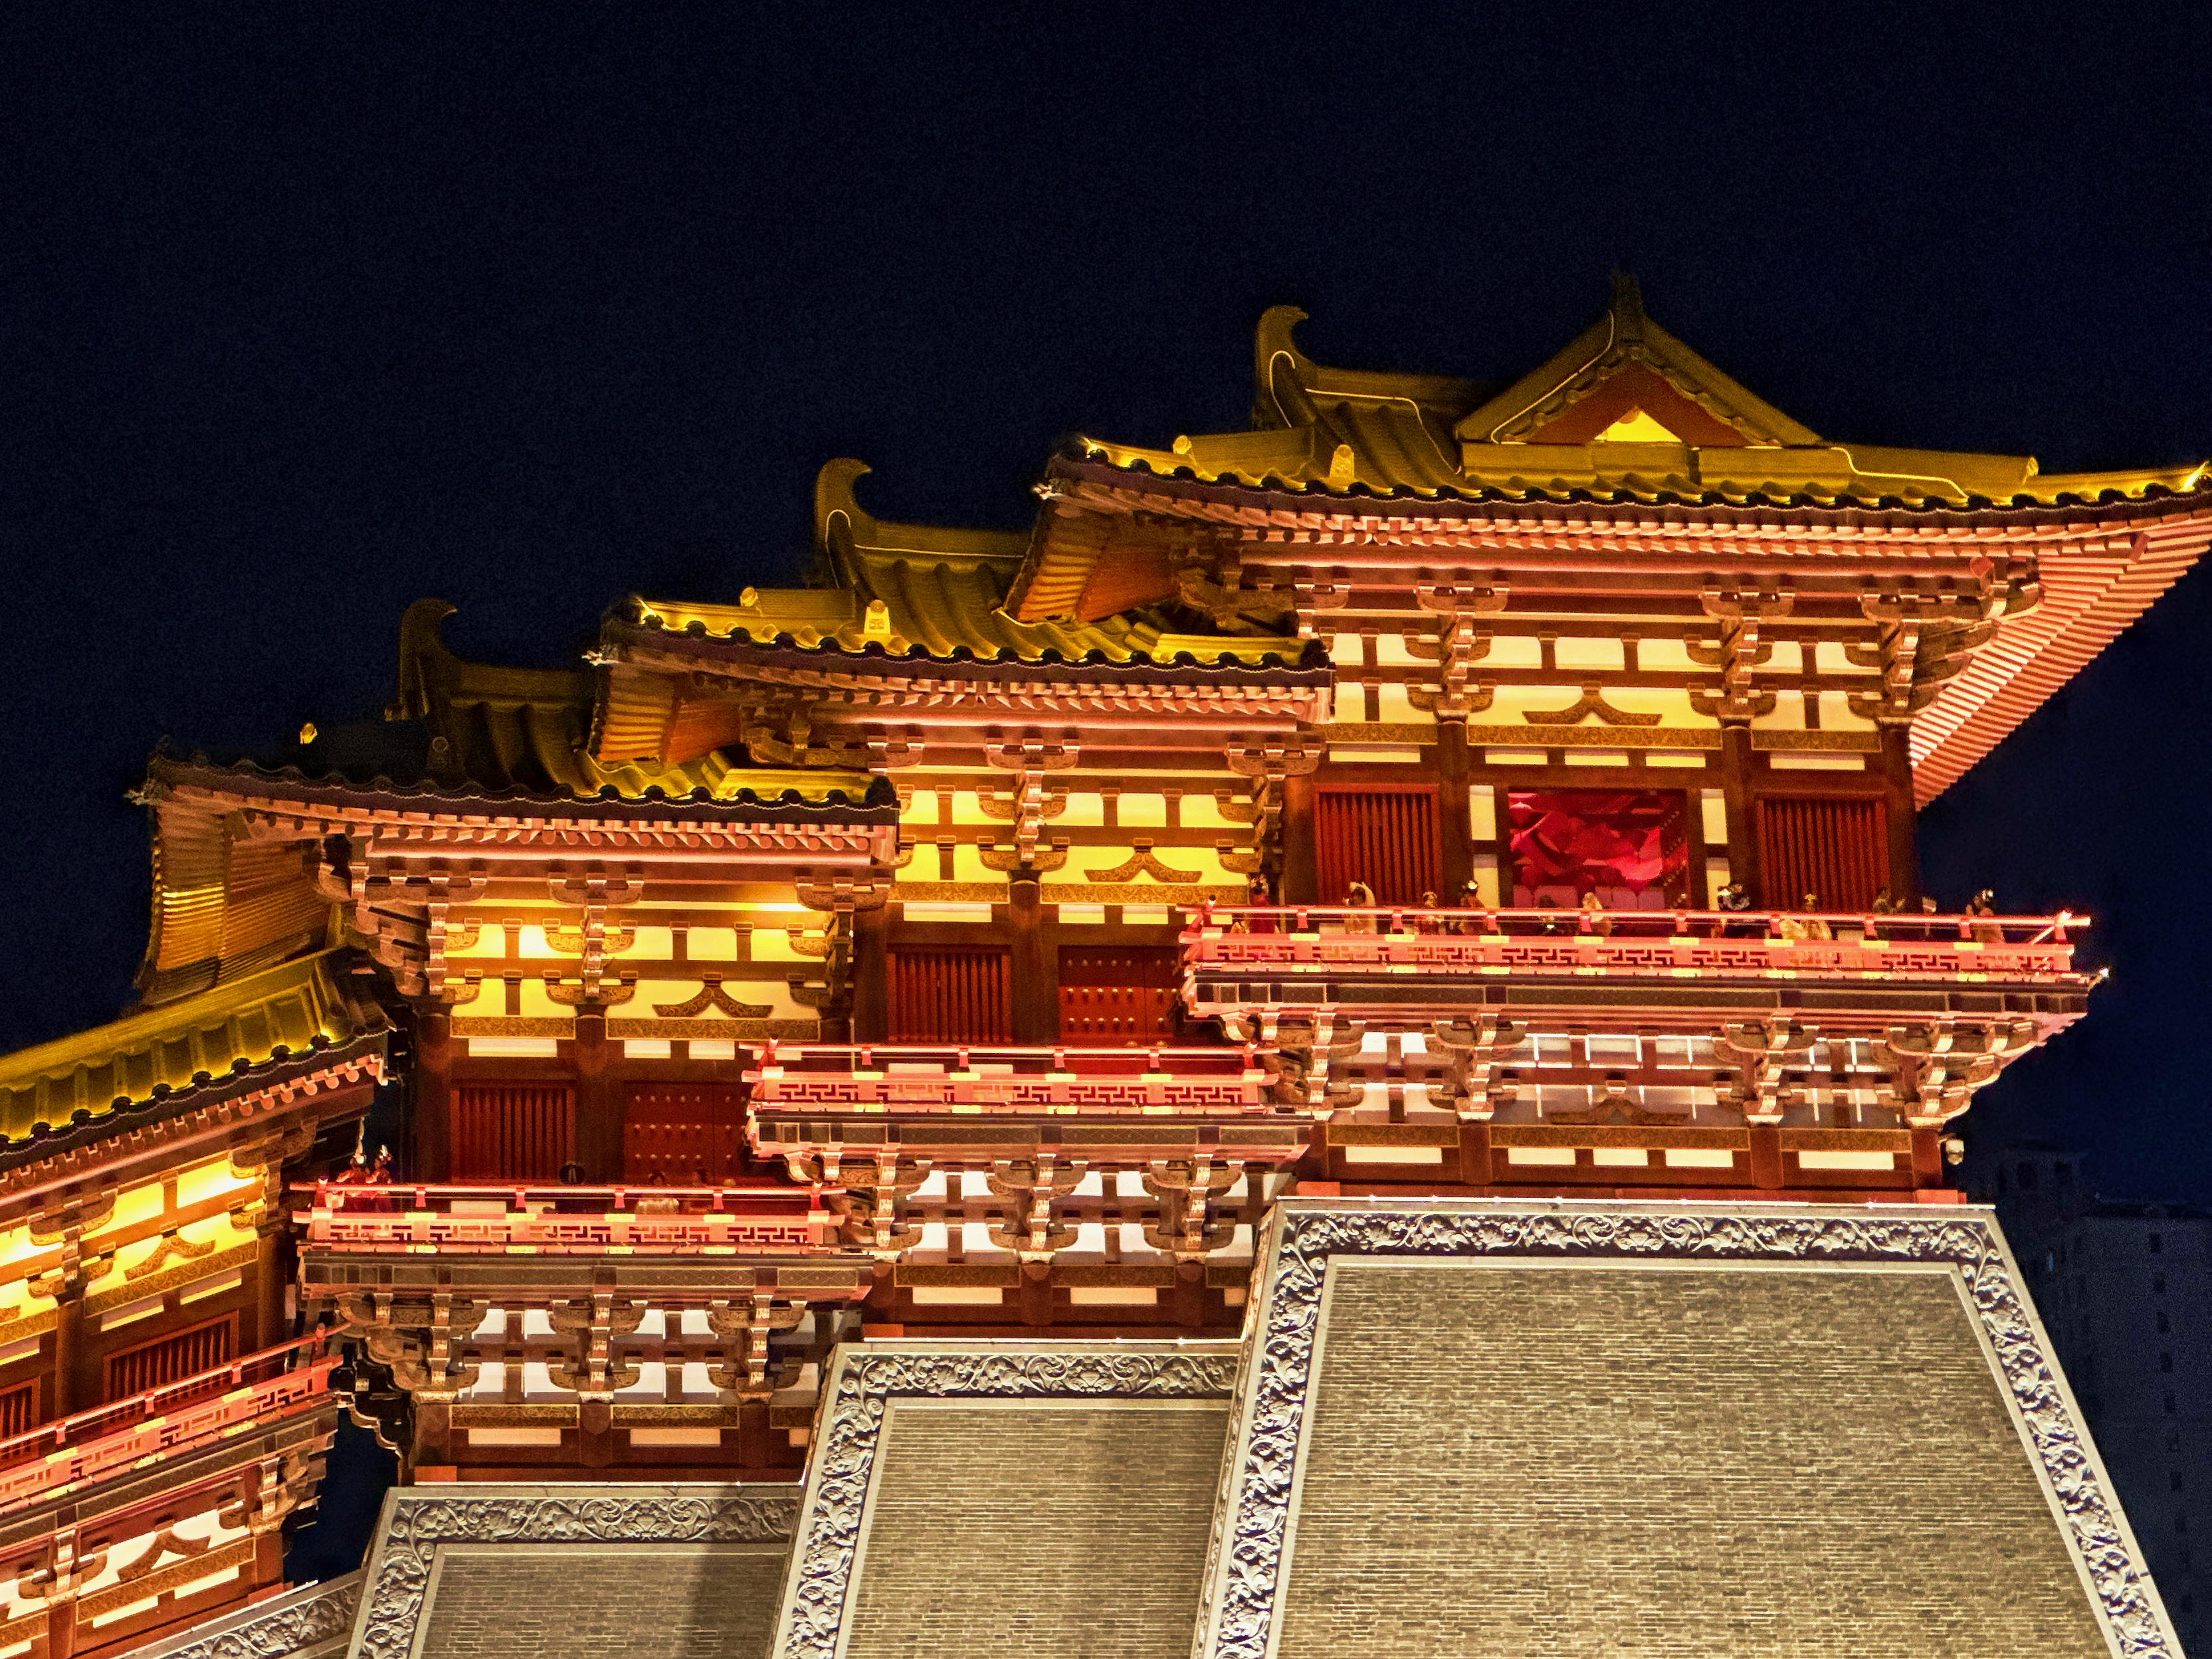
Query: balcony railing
x,y
250,1392
1058,1081
1322,941
528,1220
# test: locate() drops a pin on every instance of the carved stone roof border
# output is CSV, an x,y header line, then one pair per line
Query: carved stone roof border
x,y
819,1582
1244,1564
308,1622
418,1520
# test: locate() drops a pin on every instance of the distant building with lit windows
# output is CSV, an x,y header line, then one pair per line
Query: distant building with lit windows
x,y
2125,1292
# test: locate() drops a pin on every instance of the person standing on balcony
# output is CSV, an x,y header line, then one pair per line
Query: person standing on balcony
x,y
1985,903
1361,897
1595,919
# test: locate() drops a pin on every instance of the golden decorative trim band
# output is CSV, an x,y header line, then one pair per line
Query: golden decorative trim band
x,y
1868,743
466,1025
1594,737
795,1031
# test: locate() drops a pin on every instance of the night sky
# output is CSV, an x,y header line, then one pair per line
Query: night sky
x,y
304,318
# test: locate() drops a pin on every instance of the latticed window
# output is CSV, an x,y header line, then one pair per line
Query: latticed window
x,y
1386,838
19,1409
170,1359
512,1131
1113,996
949,993
1832,846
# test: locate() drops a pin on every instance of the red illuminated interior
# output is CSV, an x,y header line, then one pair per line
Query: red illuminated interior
x,y
1631,847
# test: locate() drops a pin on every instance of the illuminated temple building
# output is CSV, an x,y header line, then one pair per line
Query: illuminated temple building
x,y
1335,1049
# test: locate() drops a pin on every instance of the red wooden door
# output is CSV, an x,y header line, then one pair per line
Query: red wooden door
x,y
1386,837
949,993
1832,846
683,1134
512,1131
1113,997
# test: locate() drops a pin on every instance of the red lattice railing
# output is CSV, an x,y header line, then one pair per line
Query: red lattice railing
x,y
886,1077
566,1220
254,1390
1300,940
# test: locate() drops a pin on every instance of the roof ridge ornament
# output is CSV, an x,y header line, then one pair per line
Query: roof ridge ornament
x,y
1627,312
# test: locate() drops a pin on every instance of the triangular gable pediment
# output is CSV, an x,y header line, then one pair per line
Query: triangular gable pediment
x,y
1625,366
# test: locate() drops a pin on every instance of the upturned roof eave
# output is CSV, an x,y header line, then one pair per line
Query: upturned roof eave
x,y
868,801
782,654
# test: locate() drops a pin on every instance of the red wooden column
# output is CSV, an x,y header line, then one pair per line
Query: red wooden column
x,y
598,1107
1299,874
68,1394
433,1096
870,973
1896,764
1736,764
1035,992
1456,863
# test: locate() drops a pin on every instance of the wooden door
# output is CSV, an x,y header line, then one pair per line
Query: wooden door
x,y
949,993
1117,997
512,1131
1833,847
683,1134
1384,836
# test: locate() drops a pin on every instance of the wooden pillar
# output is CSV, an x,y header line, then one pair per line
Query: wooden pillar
x,y
871,970
599,1105
1300,877
1035,990
1475,1154
434,1432
433,1096
270,1264
70,1393
1766,1158
1903,850
1456,863
1736,798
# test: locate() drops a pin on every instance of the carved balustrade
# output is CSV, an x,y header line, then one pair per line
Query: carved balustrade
x,y
495,1221
960,1079
1316,941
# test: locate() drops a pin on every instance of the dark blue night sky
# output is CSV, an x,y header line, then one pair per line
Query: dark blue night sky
x,y
306,316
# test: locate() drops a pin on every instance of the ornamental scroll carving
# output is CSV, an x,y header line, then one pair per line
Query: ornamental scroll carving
x,y
399,1573
821,1578
1245,1572
322,1615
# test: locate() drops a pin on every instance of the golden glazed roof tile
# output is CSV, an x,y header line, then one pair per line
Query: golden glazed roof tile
x,y
1624,412
249,1032
460,729
915,591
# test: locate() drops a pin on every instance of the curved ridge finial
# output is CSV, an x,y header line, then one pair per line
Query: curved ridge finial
x,y
422,657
